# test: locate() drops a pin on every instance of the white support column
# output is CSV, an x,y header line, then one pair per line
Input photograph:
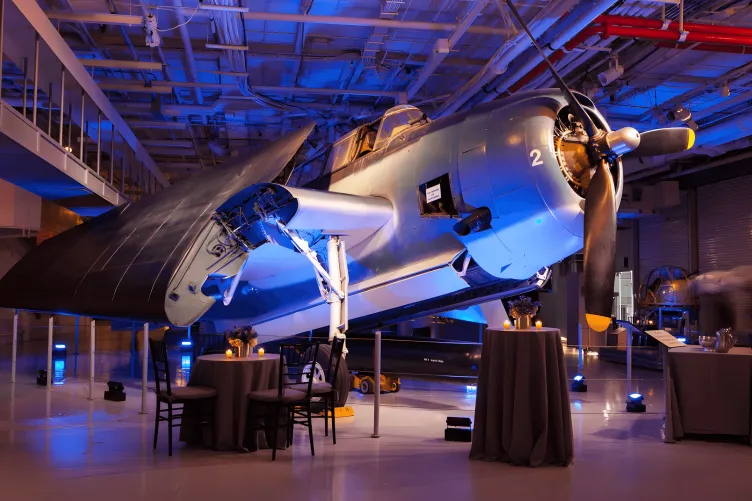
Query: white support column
x,y
144,368
14,350
49,351
92,351
377,381
335,303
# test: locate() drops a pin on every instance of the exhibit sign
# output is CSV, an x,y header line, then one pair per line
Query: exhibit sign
x,y
665,338
433,193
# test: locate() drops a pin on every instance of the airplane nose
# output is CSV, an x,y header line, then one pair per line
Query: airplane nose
x,y
507,163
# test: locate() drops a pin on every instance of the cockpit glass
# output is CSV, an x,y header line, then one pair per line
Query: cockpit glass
x,y
396,120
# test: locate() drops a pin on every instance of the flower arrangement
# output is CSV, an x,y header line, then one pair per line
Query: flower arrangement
x,y
523,307
243,337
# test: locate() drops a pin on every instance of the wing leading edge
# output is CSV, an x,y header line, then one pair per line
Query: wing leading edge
x,y
119,265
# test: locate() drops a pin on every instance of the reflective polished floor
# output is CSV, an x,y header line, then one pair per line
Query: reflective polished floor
x,y
57,445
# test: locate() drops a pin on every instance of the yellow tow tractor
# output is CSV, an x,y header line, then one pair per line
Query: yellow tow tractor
x,y
366,384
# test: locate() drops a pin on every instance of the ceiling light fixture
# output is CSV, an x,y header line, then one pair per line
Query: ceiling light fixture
x,y
152,33
612,73
684,115
221,46
725,89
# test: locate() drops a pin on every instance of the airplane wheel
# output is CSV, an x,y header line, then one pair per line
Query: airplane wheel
x,y
366,387
343,375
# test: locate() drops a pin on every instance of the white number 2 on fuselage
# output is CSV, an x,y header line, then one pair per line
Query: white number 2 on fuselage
x,y
536,156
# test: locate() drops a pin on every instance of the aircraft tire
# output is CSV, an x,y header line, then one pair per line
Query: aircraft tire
x,y
343,382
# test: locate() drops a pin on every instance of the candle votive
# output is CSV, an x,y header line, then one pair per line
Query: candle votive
x,y
228,354
538,324
261,352
507,324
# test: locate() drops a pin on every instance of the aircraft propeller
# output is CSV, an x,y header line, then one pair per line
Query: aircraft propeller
x,y
603,150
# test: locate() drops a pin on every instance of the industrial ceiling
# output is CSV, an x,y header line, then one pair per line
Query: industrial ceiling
x,y
211,79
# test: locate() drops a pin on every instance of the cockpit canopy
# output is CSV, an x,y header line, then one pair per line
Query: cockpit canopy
x,y
359,142
396,120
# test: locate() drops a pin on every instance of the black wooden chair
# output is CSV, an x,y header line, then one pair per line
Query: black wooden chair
x,y
297,363
327,390
174,398
208,344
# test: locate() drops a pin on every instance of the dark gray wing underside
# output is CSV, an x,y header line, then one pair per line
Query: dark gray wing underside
x,y
119,265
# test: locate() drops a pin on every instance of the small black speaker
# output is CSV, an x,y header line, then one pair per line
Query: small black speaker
x,y
458,429
115,392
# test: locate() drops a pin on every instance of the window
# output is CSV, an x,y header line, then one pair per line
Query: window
x,y
396,120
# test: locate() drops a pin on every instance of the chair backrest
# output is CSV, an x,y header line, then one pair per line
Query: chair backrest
x,y
208,344
296,365
338,345
161,366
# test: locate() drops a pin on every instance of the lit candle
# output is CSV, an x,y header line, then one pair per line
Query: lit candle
x,y
228,353
261,352
507,324
538,324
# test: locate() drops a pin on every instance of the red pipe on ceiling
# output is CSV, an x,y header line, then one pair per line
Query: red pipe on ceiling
x,y
709,37
657,24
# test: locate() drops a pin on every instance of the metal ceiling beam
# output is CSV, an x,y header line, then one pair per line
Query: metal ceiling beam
x,y
155,124
116,85
190,61
127,86
173,143
443,46
49,33
124,65
96,18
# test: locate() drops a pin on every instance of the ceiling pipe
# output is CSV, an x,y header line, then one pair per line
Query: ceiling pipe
x,y
116,19
719,34
511,49
444,45
570,38
707,47
189,59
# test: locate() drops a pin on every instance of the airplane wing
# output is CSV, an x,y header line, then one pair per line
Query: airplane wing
x,y
120,265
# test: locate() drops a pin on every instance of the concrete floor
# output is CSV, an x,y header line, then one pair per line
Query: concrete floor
x,y
58,445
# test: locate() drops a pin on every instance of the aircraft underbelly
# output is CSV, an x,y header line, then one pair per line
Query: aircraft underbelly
x,y
425,280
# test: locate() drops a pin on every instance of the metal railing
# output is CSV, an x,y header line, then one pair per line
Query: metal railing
x,y
50,96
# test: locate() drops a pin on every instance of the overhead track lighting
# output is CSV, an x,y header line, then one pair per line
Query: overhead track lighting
x,y
684,115
612,73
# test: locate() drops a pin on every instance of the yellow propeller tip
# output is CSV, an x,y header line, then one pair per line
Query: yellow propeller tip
x,y
691,139
598,323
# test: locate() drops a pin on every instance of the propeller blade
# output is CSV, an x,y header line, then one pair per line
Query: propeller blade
x,y
600,248
574,104
664,142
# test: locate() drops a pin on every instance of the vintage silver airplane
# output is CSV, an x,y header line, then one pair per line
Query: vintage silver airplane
x,y
401,216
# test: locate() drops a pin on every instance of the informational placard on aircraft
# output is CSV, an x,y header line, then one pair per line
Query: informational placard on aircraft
x,y
433,193
665,338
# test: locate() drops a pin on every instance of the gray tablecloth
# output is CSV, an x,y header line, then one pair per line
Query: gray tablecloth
x,y
522,413
234,379
711,392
